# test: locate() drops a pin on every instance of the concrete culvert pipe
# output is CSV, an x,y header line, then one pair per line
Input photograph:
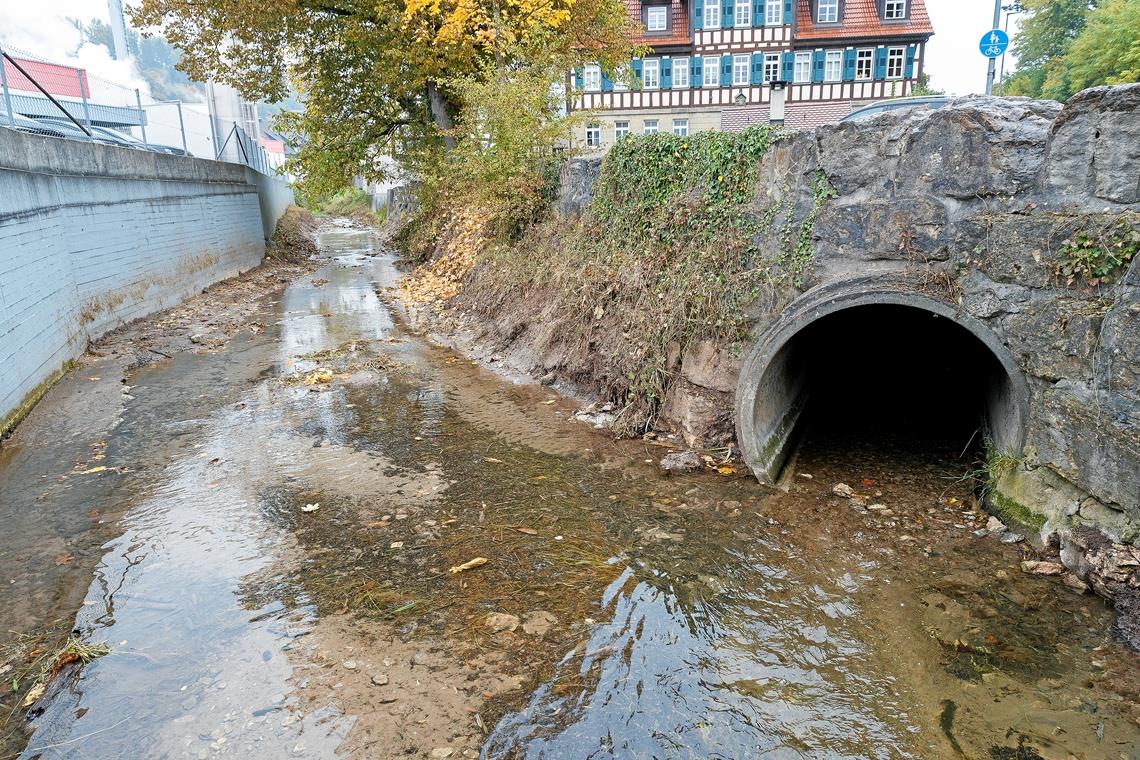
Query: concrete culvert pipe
x,y
866,359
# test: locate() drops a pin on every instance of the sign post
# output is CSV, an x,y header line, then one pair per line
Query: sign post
x,y
993,44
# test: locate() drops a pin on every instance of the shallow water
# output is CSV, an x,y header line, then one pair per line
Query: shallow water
x,y
697,617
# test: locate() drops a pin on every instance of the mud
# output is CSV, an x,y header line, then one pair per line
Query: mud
x,y
269,551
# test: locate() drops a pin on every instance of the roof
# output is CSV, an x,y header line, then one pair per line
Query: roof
x,y
678,33
860,20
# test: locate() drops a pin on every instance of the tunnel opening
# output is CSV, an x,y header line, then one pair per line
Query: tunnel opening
x,y
892,377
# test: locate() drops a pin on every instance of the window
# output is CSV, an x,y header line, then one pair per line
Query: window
x,y
650,127
743,13
895,57
592,78
712,14
681,127
802,71
651,74
657,18
621,129
740,70
828,11
894,9
864,63
833,66
710,69
681,72
774,13
594,136
771,67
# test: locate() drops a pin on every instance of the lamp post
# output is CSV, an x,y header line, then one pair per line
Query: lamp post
x,y
1012,8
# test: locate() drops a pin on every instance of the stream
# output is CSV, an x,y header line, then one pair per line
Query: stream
x,y
272,557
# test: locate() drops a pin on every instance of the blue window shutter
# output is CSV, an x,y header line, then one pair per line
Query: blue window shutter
x,y
787,11
607,83
698,14
817,66
757,68
726,70
849,65
666,73
727,9
579,82
636,66
911,51
695,71
757,12
880,62
786,65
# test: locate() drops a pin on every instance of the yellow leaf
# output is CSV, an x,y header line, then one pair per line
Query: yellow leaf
x,y
469,564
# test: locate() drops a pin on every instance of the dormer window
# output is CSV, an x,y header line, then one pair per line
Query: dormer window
x,y
657,18
827,11
894,10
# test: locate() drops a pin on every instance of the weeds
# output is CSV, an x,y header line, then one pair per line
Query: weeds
x,y
31,662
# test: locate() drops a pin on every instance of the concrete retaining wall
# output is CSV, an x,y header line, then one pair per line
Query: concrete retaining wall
x,y
94,236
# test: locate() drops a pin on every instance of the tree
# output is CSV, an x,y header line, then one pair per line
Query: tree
x,y
1108,50
1041,44
922,87
374,74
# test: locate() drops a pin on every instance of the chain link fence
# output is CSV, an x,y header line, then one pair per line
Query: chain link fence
x,y
49,98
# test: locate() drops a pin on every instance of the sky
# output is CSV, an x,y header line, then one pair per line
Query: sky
x,y
953,60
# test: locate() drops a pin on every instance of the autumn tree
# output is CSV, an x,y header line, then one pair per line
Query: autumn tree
x,y
375,74
1065,46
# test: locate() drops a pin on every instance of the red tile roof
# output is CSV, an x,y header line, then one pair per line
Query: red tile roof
x,y
678,33
860,20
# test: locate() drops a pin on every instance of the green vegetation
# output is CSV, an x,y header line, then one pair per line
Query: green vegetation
x,y
1065,46
378,77
668,253
1099,253
349,201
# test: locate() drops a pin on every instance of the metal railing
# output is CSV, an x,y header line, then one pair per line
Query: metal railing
x,y
42,95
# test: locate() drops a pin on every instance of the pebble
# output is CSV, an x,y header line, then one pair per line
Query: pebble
x,y
842,489
380,679
349,664
502,621
440,752
1009,537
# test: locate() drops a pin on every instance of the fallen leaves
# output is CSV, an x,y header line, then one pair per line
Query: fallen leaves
x,y
470,564
63,559
33,695
442,279
318,376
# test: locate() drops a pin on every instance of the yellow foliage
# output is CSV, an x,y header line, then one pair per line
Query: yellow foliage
x,y
440,280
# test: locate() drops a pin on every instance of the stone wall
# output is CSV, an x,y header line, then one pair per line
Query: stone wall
x,y
963,211
93,236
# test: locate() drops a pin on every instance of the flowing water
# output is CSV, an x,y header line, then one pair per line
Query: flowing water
x,y
269,536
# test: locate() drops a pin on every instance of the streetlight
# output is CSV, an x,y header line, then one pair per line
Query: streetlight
x,y
1012,8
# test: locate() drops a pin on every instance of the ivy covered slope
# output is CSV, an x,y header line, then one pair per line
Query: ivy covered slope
x,y
664,256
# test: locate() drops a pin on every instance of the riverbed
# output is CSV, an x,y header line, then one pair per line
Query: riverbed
x,y
331,537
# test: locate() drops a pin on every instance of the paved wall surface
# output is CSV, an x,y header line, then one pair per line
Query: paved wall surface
x,y
93,236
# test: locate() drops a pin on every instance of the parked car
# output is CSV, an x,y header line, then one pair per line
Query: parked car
x,y
109,137
31,126
131,141
922,101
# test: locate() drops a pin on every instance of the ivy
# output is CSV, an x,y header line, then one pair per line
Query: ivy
x,y
1098,254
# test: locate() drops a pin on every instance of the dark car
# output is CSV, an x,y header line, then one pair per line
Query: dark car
x,y
921,101
31,126
109,137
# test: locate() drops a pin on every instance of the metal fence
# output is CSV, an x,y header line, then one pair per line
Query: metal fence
x,y
54,98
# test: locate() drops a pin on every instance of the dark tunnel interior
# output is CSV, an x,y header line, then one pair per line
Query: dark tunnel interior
x,y
896,377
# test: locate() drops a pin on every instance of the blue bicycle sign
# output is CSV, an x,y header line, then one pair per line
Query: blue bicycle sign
x,y
994,43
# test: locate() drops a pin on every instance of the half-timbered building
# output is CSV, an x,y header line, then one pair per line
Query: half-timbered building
x,y
725,64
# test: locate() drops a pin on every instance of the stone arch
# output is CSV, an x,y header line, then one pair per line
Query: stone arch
x,y
771,393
